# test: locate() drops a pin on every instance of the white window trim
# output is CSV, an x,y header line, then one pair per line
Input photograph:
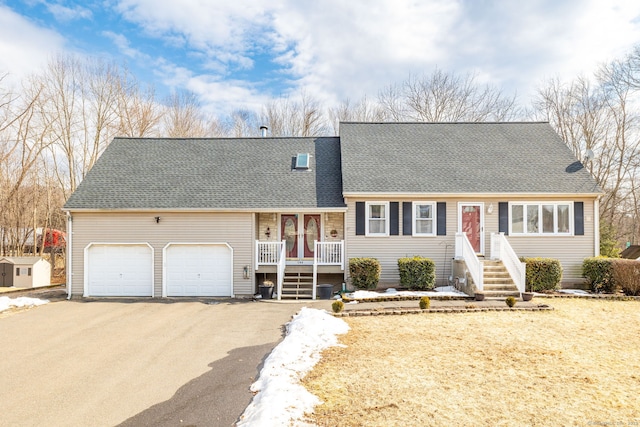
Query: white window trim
x,y
386,219
415,219
540,226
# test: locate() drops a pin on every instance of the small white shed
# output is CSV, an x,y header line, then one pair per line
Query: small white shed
x,y
24,272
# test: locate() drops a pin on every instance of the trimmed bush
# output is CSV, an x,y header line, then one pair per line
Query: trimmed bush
x,y
510,301
599,274
626,274
542,274
337,306
364,272
425,303
417,273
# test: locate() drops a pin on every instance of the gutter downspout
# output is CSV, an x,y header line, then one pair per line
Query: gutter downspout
x,y
596,226
69,249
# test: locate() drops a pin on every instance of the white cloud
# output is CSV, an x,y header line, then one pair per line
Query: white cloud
x,y
24,47
66,14
335,49
123,45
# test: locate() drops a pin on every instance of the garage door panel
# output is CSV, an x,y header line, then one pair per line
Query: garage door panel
x,y
198,270
120,270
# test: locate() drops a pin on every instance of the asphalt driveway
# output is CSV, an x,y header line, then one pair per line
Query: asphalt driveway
x,y
105,363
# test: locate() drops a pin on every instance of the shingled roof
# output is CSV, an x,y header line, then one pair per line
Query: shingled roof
x,y
212,174
459,158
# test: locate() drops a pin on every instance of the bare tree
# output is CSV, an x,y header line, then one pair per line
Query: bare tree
x,y
183,116
286,117
446,97
362,111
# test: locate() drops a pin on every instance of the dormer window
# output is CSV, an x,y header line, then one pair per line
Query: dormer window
x,y
302,161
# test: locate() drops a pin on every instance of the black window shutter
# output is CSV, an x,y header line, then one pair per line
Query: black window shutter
x,y
360,218
407,218
503,217
442,218
578,218
394,208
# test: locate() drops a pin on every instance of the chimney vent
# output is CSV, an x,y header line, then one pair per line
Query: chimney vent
x,y
263,131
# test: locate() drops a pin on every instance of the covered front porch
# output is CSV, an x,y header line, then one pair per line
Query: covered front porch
x,y
299,251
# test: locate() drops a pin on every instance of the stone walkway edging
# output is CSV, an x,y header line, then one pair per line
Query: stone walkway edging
x,y
396,311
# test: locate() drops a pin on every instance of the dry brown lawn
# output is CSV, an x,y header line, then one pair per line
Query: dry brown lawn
x,y
577,365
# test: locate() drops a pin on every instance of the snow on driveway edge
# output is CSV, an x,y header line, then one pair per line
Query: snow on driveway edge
x,y
280,398
7,303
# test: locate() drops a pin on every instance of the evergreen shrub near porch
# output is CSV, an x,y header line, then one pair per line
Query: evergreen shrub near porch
x,y
364,272
599,274
417,273
542,274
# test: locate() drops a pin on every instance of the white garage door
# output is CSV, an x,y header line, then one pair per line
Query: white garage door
x,y
120,270
202,270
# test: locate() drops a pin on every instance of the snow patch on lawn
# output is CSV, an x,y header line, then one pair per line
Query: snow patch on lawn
x,y
280,399
7,303
574,291
444,291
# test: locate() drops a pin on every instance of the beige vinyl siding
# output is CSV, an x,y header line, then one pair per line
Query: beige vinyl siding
x,y
570,250
236,229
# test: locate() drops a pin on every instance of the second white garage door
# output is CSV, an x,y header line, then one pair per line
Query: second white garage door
x,y
202,270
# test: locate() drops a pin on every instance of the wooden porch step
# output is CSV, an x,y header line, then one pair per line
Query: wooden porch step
x,y
297,283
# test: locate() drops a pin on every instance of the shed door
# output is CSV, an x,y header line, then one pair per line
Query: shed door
x,y
120,270
200,270
6,275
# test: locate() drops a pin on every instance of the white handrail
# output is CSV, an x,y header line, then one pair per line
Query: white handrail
x,y
464,250
502,250
282,261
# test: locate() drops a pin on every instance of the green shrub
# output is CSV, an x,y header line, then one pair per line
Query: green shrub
x,y
417,273
626,274
511,301
425,303
364,272
337,306
599,274
542,274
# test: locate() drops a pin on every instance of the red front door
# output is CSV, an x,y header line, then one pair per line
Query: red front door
x,y
300,244
471,224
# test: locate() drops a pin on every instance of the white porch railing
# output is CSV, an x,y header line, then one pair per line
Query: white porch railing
x,y
282,261
502,250
267,253
329,253
464,250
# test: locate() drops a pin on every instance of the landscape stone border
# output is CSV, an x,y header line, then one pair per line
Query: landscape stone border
x,y
401,311
610,297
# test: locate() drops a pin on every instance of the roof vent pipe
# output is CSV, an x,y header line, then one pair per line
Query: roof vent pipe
x,y
263,131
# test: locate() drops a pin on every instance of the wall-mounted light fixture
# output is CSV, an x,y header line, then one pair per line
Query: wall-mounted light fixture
x,y
268,232
490,208
245,272
157,219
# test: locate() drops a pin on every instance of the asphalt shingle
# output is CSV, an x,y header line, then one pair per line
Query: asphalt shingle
x,y
226,174
459,158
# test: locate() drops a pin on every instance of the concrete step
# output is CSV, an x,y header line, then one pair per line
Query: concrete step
x,y
500,294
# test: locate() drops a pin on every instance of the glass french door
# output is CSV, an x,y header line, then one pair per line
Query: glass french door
x,y
299,231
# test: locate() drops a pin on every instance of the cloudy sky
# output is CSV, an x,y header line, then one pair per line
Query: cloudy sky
x,y
238,54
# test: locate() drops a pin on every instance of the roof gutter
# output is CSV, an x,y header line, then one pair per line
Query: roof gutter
x,y
69,248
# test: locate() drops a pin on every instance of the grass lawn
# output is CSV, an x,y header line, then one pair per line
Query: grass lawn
x,y
576,365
